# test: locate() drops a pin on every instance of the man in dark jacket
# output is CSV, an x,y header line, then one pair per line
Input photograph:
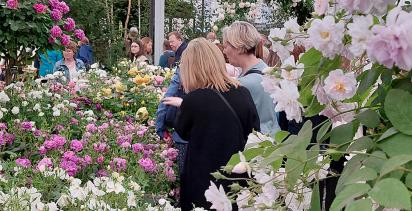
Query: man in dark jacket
x,y
177,44
85,52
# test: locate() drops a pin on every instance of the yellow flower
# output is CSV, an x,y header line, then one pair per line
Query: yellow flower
x,y
139,80
107,92
133,72
122,113
168,74
142,114
119,87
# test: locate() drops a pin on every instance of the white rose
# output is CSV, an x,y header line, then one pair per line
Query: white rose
x,y
241,5
3,97
56,112
24,103
215,28
15,110
41,114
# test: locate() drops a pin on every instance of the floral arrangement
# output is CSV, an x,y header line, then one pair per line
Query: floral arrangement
x,y
356,71
91,155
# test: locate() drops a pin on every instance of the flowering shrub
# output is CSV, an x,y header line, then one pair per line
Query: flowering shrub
x,y
356,71
72,129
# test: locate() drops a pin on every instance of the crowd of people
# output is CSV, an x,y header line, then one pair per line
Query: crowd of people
x,y
214,101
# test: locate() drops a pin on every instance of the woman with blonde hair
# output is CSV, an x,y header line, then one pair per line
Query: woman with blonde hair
x,y
216,117
242,46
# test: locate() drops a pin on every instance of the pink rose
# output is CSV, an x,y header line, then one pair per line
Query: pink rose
x,y
12,4
40,8
23,162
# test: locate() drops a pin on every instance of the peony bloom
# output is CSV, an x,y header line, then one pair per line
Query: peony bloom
x,y
27,126
23,162
147,164
326,36
360,33
69,24
391,44
170,174
12,4
56,15
137,148
62,6
340,86
65,40
321,6
40,8
79,34
44,163
55,32
158,80
91,128
100,159
76,145
218,198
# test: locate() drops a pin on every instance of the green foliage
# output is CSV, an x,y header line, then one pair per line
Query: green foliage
x,y
398,108
391,193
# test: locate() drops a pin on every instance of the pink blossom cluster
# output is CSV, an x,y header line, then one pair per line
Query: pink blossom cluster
x,y
27,126
23,162
170,154
65,40
137,148
6,138
59,5
118,164
56,31
91,127
391,44
44,163
40,8
170,174
122,139
76,145
56,15
12,4
79,34
71,163
100,147
147,164
69,24
55,142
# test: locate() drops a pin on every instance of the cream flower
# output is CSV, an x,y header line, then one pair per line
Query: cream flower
x,y
340,86
242,166
218,198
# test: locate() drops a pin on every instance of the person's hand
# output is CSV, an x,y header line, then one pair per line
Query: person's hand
x,y
173,101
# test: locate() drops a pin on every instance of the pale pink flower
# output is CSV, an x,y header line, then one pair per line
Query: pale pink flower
x,y
321,6
158,80
392,44
268,196
320,93
147,164
340,112
218,198
360,33
44,163
170,174
76,145
326,36
340,86
286,96
363,6
118,164
270,83
380,7
292,71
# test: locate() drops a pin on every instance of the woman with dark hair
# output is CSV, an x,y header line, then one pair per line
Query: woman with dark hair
x,y
136,53
147,45
167,58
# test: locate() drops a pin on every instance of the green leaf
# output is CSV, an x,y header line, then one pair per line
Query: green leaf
x,y
369,118
294,167
397,144
363,174
361,144
351,167
314,108
394,162
391,193
398,108
389,132
368,79
323,130
281,135
348,194
315,200
375,161
312,153
408,180
363,204
342,134
249,154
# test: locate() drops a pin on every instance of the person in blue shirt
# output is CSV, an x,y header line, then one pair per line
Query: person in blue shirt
x,y
45,61
166,114
69,65
167,58
85,52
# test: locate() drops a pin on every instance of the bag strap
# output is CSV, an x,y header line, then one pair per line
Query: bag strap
x,y
253,71
231,109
